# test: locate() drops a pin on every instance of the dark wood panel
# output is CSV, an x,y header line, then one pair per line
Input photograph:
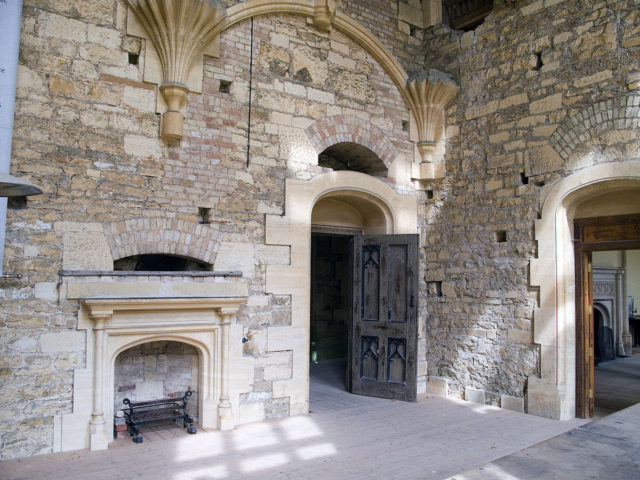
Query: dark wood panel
x,y
369,358
611,233
398,281
371,282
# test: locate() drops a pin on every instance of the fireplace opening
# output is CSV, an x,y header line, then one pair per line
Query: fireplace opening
x,y
152,371
161,263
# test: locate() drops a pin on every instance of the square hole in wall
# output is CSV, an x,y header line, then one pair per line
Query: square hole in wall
x,y
405,125
16,203
434,288
204,215
501,236
429,194
134,58
225,86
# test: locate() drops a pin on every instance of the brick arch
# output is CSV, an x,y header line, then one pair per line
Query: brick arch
x,y
162,236
348,128
619,113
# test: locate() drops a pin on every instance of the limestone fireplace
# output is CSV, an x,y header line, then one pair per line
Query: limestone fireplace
x,y
119,313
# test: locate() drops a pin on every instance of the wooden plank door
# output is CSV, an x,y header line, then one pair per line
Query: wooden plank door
x,y
384,328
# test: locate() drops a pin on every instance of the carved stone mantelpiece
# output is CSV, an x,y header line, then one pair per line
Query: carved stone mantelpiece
x,y
119,323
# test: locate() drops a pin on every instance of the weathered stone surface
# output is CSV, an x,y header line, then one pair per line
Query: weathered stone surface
x,y
543,94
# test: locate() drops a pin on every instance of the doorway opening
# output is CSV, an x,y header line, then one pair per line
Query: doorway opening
x,y
604,323
616,284
331,288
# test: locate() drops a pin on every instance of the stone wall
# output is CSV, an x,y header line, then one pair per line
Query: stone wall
x,y
156,370
86,132
544,92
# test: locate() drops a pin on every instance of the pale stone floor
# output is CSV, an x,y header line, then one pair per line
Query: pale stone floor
x,y
354,437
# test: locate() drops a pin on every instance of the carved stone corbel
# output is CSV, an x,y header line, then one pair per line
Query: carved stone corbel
x,y
180,30
324,11
430,92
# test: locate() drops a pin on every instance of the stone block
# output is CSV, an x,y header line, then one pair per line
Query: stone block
x,y
277,372
543,399
251,412
236,256
56,26
86,251
474,395
143,100
46,290
106,37
342,61
295,89
23,344
66,341
437,386
149,390
512,403
547,104
140,146
410,14
595,78
321,96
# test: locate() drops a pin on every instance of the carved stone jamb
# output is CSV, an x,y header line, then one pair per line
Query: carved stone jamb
x,y
225,412
324,11
97,425
430,92
180,30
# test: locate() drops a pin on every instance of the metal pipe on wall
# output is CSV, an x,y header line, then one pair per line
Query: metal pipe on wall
x,y
10,21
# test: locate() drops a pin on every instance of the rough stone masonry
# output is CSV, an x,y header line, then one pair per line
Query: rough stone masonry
x,y
86,132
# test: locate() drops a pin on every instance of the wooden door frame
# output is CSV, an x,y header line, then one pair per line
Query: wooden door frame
x,y
620,232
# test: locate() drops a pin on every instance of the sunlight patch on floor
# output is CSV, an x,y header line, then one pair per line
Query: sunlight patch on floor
x,y
316,451
213,472
297,428
264,462
190,448
254,436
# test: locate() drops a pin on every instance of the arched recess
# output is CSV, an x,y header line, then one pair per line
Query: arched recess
x,y
206,366
553,394
337,129
342,22
294,230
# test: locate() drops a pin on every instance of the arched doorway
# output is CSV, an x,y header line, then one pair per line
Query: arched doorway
x,y
363,318
336,219
341,199
602,190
